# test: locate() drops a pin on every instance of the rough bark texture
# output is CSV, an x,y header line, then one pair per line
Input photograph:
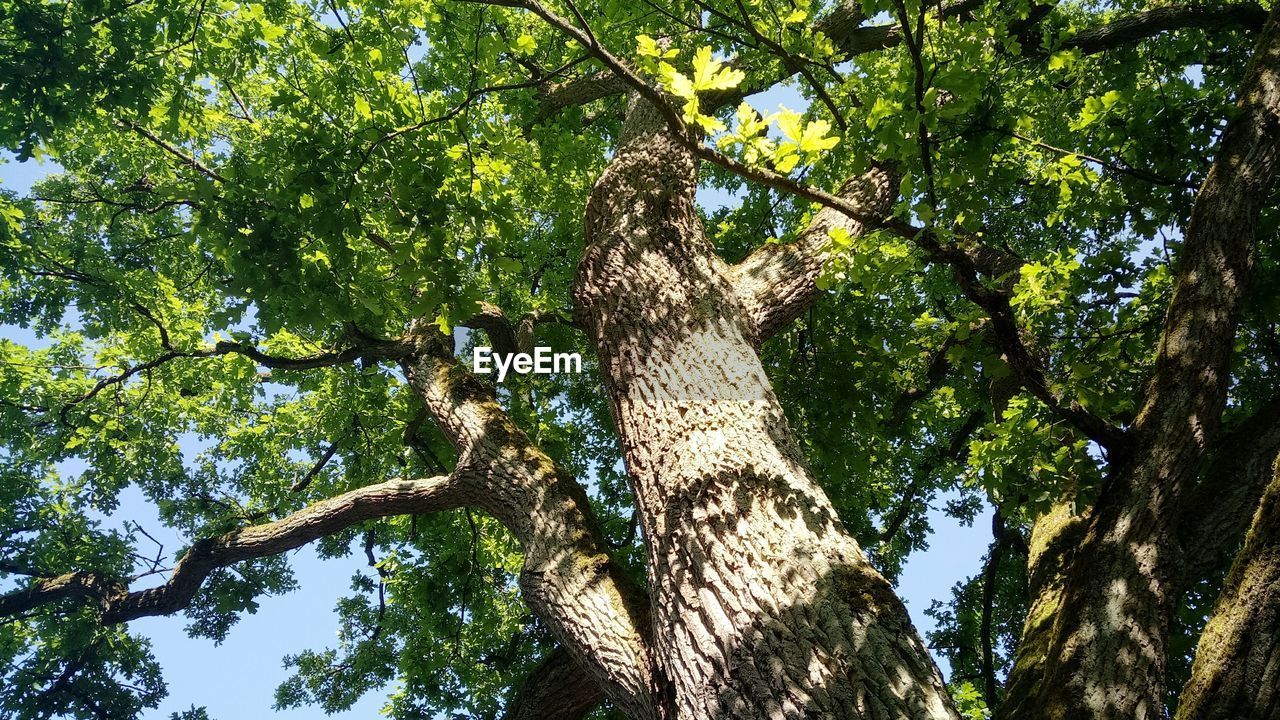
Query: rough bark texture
x,y
1236,675
568,579
779,281
1105,653
764,607
1216,514
1053,536
558,689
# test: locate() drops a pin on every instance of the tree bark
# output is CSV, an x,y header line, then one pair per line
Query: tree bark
x,y
1236,675
1215,515
557,689
1104,653
117,604
568,578
779,281
764,606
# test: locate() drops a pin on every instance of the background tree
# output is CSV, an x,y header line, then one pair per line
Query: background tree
x,y
1017,252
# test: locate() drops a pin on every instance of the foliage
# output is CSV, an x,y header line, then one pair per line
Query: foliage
x,y
301,176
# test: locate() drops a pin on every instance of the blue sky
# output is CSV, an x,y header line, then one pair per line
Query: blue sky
x,y
237,679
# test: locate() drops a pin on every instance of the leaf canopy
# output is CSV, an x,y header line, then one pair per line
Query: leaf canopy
x,y
300,176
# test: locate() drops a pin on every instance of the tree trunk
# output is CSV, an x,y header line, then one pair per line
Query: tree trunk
x,y
1237,670
764,606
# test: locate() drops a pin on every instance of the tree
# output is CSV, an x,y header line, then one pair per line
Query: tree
x,y
1013,254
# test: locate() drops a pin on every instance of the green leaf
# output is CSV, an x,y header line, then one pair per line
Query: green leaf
x,y
711,74
362,108
525,44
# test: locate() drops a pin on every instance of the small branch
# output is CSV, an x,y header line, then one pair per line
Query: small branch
x,y
305,480
182,156
1121,168
935,373
129,372
990,574
956,449
378,350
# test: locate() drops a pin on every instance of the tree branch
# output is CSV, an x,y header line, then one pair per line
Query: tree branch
x,y
118,604
843,26
968,266
990,575
956,450
557,689
368,351
936,371
965,262
1216,513
1187,391
315,469
778,281
167,147
1236,674
494,322
591,605
375,350
1125,573
1138,26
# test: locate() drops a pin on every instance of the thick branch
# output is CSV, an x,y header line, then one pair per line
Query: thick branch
x,y
778,282
1124,575
1236,675
394,497
375,350
557,689
1133,28
507,336
1216,513
579,91
494,323
1187,391
568,578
